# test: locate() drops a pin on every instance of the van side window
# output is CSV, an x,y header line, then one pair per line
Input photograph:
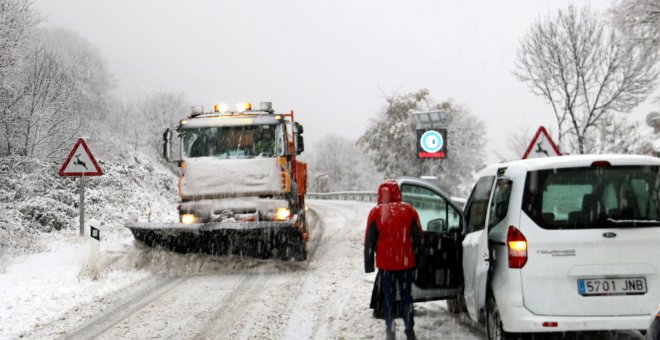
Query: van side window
x,y
475,212
499,206
431,207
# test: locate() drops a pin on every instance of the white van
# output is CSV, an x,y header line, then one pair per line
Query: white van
x,y
566,243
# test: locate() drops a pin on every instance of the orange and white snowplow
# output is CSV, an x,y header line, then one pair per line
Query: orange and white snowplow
x,y
241,188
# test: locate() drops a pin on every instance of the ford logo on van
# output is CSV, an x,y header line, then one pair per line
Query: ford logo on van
x,y
609,235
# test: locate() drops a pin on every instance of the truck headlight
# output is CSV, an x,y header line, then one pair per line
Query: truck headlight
x,y
282,214
187,218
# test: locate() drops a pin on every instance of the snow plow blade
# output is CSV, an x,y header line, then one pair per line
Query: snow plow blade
x,y
256,239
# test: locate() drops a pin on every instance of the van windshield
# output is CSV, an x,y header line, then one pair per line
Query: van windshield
x,y
243,141
583,198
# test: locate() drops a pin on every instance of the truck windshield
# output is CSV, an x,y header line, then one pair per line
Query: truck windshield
x,y
583,198
246,141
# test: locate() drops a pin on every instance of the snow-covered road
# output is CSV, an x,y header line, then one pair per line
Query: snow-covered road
x,y
207,297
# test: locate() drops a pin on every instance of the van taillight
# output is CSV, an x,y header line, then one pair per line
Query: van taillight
x,y
517,244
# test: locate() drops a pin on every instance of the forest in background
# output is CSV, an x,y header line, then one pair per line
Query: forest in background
x,y
592,68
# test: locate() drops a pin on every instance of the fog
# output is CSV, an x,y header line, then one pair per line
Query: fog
x,y
330,61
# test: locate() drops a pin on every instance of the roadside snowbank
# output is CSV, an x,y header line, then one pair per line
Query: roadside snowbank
x,y
41,288
35,200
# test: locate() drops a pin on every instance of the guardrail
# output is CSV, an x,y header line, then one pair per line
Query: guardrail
x,y
367,196
362,196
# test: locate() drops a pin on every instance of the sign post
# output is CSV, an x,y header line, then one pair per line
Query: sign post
x,y
84,165
82,204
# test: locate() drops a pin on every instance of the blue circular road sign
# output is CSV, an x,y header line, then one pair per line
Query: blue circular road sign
x,y
431,141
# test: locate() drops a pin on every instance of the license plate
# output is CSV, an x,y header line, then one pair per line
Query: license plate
x,y
627,286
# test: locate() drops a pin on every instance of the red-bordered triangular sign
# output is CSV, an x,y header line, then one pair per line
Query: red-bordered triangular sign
x,y
542,145
80,162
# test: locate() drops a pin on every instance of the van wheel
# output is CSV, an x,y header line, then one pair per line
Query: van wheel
x,y
493,321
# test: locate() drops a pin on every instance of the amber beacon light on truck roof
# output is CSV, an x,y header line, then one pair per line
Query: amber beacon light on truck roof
x,y
223,108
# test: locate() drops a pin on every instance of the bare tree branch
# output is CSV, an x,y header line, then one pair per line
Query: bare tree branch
x,y
585,70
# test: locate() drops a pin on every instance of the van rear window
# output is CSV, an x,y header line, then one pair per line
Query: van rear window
x,y
589,197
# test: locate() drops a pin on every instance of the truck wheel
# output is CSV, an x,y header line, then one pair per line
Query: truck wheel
x,y
493,322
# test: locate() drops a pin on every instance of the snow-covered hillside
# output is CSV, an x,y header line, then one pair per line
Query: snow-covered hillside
x,y
36,205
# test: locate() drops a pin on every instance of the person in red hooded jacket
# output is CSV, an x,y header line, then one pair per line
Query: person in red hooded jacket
x,y
394,233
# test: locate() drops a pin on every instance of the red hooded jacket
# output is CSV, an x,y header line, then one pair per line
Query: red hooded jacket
x,y
393,232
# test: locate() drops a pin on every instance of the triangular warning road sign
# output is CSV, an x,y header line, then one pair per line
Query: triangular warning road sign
x,y
80,162
542,145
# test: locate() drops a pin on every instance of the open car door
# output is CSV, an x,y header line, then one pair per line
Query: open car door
x,y
475,247
440,275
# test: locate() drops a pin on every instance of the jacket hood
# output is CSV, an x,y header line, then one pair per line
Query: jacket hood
x,y
389,192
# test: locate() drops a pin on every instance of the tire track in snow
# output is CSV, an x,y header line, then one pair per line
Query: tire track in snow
x,y
231,309
264,300
269,319
128,307
325,285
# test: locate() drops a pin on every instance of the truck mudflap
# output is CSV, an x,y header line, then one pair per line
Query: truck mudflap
x,y
282,240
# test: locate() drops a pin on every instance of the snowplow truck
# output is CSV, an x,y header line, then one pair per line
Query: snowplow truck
x,y
241,188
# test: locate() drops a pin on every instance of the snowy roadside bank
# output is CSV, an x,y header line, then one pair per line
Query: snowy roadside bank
x,y
35,201
41,288
41,255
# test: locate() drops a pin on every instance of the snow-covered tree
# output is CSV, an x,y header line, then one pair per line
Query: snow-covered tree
x,y
47,120
162,110
586,71
59,90
93,83
17,22
140,122
613,135
336,163
516,143
391,141
639,20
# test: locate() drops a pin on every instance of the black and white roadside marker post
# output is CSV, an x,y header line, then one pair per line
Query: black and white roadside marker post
x,y
94,233
81,163
94,253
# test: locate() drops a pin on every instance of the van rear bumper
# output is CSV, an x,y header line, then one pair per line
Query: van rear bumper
x,y
520,320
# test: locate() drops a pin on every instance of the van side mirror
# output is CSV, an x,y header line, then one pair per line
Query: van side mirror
x,y
437,225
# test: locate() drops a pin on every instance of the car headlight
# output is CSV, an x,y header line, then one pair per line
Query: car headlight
x,y
282,214
188,218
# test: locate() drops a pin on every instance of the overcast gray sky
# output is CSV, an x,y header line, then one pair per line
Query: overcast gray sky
x,y
330,61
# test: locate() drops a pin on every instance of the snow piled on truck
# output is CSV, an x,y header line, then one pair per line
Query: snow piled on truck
x,y
212,177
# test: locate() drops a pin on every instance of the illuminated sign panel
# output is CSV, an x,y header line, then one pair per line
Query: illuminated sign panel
x,y
431,143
